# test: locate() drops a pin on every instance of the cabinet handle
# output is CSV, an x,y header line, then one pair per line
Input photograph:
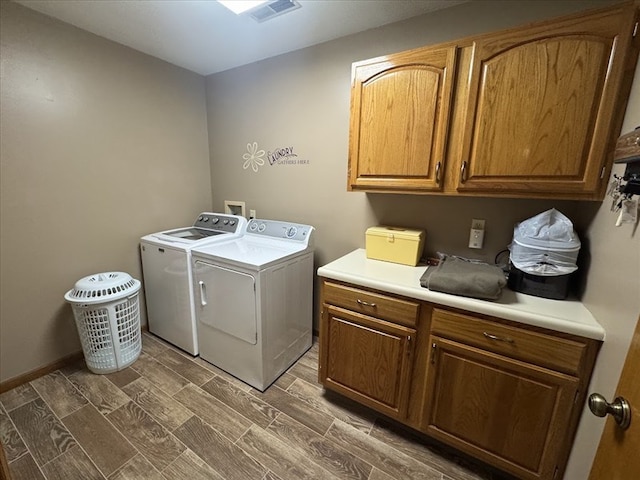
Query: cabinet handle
x,y
499,339
463,172
438,167
366,304
433,353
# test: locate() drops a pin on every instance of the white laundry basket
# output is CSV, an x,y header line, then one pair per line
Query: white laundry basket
x,y
107,314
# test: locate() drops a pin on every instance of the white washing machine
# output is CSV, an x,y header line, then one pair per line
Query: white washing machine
x,y
168,282
254,300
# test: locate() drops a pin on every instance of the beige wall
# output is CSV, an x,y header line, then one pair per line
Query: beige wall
x,y
302,100
99,145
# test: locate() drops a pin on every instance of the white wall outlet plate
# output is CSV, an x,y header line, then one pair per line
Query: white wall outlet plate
x,y
476,238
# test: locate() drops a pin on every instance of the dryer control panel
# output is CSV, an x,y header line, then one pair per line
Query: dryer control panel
x,y
295,232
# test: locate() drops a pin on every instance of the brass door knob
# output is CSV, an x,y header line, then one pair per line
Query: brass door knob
x,y
619,409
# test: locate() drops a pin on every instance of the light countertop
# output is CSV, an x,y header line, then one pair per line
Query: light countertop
x,y
568,316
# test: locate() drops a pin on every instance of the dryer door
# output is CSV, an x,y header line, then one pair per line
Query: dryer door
x,y
227,301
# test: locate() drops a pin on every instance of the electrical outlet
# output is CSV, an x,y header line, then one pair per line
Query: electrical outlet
x,y
476,235
477,224
252,214
476,238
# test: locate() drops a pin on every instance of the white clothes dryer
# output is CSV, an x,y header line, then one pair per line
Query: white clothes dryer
x,y
254,300
168,282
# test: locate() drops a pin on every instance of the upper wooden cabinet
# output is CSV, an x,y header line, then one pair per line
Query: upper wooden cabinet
x,y
399,119
529,112
541,105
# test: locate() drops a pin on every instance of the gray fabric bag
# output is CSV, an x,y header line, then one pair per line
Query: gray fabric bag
x,y
462,277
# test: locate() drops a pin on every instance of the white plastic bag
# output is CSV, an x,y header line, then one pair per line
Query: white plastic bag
x,y
545,245
550,229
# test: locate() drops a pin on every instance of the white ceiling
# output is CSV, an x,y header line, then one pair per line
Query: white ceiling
x,y
205,37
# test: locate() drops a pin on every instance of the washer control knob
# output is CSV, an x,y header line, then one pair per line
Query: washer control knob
x,y
291,232
206,219
215,220
253,227
200,218
262,227
232,222
226,221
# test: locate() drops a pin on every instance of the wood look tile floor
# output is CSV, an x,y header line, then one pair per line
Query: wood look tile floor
x,y
170,416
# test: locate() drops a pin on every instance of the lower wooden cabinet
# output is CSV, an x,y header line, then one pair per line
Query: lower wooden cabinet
x,y
509,413
508,394
367,359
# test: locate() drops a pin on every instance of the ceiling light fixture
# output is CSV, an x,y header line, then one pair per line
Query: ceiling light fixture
x,y
241,6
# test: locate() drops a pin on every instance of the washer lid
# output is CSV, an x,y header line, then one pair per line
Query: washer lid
x,y
250,252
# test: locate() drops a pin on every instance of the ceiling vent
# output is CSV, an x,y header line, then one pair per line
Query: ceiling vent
x,y
273,9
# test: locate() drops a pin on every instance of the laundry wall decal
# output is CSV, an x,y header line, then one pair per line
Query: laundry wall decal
x,y
254,158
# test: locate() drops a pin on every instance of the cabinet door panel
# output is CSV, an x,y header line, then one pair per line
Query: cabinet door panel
x,y
384,148
541,104
538,98
399,120
368,360
510,413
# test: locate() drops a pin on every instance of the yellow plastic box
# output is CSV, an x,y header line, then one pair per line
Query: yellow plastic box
x,y
393,244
